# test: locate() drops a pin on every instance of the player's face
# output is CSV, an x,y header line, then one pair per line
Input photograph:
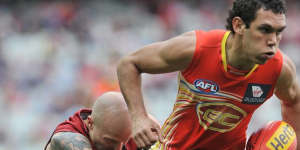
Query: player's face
x,y
105,141
261,39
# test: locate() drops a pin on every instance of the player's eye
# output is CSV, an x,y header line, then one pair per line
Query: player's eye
x,y
279,31
265,30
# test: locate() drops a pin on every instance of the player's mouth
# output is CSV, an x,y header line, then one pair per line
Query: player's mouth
x,y
268,55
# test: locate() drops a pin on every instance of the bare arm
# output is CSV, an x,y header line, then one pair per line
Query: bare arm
x,y
69,141
288,91
161,57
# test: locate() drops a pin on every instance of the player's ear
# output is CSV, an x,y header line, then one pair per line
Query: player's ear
x,y
90,123
238,25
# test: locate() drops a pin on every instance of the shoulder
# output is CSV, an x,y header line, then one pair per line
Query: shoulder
x,y
209,38
287,81
288,71
69,141
287,87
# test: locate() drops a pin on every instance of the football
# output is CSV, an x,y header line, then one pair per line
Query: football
x,y
275,135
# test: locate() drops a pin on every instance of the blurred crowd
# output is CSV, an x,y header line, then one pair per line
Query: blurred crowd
x,y
59,56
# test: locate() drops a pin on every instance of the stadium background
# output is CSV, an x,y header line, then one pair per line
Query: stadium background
x,y
58,56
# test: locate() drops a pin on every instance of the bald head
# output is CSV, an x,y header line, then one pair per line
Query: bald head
x,y
108,106
110,115
109,100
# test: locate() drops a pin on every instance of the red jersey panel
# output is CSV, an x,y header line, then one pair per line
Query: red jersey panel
x,y
74,124
213,106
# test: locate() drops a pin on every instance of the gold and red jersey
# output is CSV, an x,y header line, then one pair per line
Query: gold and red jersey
x,y
213,105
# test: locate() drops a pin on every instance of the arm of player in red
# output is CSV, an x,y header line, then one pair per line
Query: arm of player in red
x,y
288,91
161,57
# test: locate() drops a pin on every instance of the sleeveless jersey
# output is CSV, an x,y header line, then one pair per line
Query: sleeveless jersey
x,y
213,107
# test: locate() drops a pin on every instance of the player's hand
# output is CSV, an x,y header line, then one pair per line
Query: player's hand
x,y
145,131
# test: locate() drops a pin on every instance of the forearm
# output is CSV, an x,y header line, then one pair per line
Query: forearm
x,y
290,114
69,141
130,83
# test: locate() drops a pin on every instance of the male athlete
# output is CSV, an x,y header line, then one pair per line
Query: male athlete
x,y
224,76
106,127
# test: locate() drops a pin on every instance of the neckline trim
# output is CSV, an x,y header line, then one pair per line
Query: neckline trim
x,y
223,54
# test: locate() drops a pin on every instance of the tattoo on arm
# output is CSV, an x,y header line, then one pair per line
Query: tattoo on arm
x,y
69,141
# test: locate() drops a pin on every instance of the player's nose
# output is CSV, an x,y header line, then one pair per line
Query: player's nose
x,y
272,40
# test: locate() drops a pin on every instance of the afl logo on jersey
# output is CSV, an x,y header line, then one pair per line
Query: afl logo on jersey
x,y
206,86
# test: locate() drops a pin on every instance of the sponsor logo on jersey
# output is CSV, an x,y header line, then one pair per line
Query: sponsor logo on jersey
x,y
282,138
219,116
256,93
206,86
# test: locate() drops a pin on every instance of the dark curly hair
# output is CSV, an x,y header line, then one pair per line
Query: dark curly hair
x,y
246,9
